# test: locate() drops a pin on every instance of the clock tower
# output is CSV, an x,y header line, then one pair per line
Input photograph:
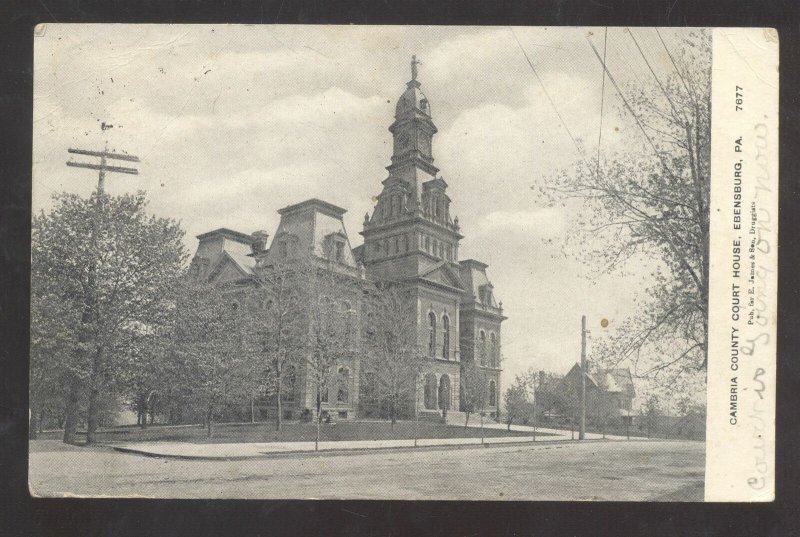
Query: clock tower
x,y
413,128
411,228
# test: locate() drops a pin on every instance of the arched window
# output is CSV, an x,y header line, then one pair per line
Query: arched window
x,y
446,337
444,392
492,349
492,393
430,391
482,346
432,335
343,393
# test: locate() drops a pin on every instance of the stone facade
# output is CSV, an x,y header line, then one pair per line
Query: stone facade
x,y
411,238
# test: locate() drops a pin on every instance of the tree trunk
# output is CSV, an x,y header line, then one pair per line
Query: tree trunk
x,y
481,427
416,420
279,390
91,419
466,420
142,419
41,421
209,422
509,424
94,395
319,419
252,409
71,413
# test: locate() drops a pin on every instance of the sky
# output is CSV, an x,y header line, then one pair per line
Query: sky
x,y
231,123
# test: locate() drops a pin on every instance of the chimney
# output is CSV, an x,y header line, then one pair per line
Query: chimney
x,y
541,377
259,244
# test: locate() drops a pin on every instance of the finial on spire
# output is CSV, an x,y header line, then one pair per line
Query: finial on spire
x,y
414,63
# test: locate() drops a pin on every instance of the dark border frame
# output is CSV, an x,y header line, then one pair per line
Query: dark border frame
x,y
22,515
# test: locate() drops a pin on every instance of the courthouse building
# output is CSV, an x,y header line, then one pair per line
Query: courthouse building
x,y
410,237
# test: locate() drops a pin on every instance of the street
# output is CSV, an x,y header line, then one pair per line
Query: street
x,y
614,471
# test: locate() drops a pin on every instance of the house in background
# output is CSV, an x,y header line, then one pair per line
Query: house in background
x,y
614,387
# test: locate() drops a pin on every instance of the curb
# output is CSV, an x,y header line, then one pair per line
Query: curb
x,y
357,451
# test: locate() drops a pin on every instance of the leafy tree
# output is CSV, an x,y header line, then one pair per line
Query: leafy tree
x,y
112,262
652,414
516,399
56,366
392,359
150,375
651,208
557,395
692,419
601,410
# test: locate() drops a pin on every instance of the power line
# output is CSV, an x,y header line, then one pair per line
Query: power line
x,y
675,65
663,90
553,104
630,109
602,100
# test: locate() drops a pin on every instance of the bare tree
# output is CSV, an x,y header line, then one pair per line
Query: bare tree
x,y
392,358
651,208
213,367
328,343
474,388
275,324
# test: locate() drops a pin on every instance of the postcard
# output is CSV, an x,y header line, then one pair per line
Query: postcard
x,y
404,262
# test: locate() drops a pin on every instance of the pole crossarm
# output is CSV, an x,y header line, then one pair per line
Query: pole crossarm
x,y
106,154
118,169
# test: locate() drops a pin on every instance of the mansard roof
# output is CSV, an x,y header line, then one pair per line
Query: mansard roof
x,y
311,224
314,204
237,236
473,274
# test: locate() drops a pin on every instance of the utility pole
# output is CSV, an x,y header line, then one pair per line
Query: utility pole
x,y
584,372
89,313
103,167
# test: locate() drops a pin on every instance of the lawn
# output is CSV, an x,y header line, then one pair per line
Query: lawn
x,y
294,431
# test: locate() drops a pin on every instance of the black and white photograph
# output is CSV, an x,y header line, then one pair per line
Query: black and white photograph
x,y
397,262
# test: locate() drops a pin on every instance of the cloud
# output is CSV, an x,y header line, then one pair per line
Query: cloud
x,y
548,222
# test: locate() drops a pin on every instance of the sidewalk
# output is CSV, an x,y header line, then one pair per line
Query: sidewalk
x,y
186,450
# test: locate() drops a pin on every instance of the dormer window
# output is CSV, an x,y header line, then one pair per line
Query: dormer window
x,y
335,247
